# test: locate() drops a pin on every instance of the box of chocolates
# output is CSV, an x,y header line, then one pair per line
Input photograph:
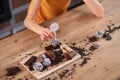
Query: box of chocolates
x,y
50,59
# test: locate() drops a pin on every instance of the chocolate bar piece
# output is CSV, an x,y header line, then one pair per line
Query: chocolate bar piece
x,y
67,56
50,55
30,61
12,71
50,47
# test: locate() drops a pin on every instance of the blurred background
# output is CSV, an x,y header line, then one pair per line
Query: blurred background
x,y
13,12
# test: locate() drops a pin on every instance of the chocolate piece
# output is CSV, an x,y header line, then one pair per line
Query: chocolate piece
x,y
107,36
12,71
85,60
48,78
67,56
72,53
92,39
30,67
79,50
59,57
30,61
50,47
63,74
93,47
50,55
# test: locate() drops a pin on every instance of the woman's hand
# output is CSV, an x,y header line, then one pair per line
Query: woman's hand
x,y
30,23
45,34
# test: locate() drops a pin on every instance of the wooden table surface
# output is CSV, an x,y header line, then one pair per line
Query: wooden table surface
x,y
75,26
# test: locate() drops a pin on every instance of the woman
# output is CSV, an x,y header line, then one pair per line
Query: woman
x,y
42,10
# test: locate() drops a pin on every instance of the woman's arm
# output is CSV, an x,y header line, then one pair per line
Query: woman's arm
x,y
32,25
96,7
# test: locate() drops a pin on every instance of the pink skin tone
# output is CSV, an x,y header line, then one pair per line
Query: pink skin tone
x,y
45,33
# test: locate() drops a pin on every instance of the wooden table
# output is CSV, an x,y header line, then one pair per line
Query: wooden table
x,y
75,26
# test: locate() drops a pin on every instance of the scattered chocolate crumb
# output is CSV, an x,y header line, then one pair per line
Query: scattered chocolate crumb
x,y
100,1
75,65
86,44
85,60
20,55
93,27
74,44
48,78
15,41
80,41
72,77
85,40
63,74
110,29
81,51
20,79
31,77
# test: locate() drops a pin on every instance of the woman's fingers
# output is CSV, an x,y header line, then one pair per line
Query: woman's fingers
x,y
43,37
51,34
46,34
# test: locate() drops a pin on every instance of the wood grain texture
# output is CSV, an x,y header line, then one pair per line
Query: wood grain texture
x,y
75,26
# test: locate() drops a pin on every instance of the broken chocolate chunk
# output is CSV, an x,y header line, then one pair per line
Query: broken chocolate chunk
x,y
92,39
107,36
30,61
51,47
58,56
51,55
30,67
79,50
85,60
12,71
63,74
67,56
93,47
